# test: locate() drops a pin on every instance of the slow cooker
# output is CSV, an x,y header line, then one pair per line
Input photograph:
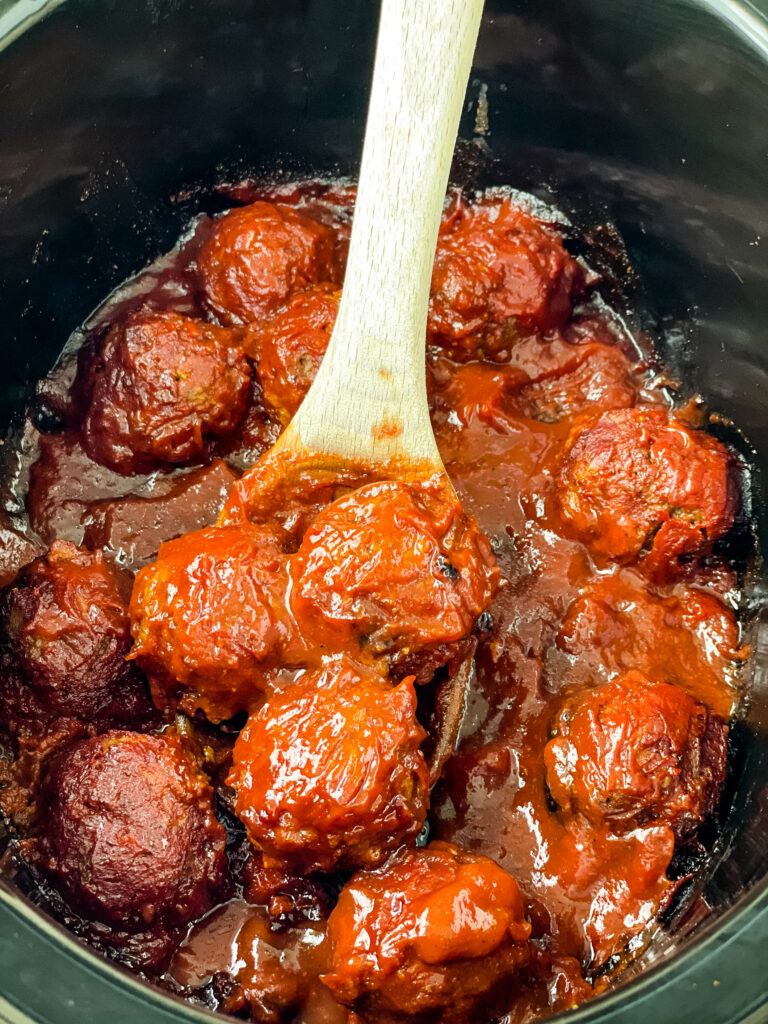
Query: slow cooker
x,y
640,121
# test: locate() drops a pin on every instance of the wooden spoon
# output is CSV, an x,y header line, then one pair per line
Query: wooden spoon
x,y
367,409
368,404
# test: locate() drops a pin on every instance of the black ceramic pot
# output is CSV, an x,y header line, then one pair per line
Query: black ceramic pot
x,y
116,119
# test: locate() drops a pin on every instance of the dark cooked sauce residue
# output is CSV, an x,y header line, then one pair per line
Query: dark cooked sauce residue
x,y
375,756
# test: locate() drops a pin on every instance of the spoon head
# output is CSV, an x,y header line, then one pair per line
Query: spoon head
x,y
288,475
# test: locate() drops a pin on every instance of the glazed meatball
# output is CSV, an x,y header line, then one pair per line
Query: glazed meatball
x,y
635,477
128,831
391,566
542,380
162,384
290,346
259,255
66,634
208,616
599,376
636,751
498,271
688,638
431,934
329,773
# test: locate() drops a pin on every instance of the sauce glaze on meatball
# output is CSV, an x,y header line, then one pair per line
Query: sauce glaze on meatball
x,y
636,477
162,384
430,934
259,255
66,635
208,615
636,751
498,271
390,566
128,831
290,346
329,773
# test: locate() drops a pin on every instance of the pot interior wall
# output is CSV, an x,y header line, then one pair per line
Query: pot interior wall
x,y
118,121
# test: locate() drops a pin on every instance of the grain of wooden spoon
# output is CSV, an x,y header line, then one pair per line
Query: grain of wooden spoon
x,y
369,400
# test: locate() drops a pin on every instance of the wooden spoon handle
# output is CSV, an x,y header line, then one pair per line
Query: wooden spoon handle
x,y
369,399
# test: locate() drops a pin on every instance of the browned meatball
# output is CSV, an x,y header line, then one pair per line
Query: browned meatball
x,y
329,773
290,346
66,634
688,638
161,385
208,618
498,271
635,477
392,567
635,751
430,937
259,255
128,832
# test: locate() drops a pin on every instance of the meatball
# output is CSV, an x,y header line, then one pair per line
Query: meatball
x,y
259,255
432,934
162,384
541,380
635,477
130,836
635,752
208,616
391,566
66,635
290,346
328,774
688,638
34,744
498,270
599,376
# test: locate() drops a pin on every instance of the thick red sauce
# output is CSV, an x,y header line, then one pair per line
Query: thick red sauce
x,y
582,573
